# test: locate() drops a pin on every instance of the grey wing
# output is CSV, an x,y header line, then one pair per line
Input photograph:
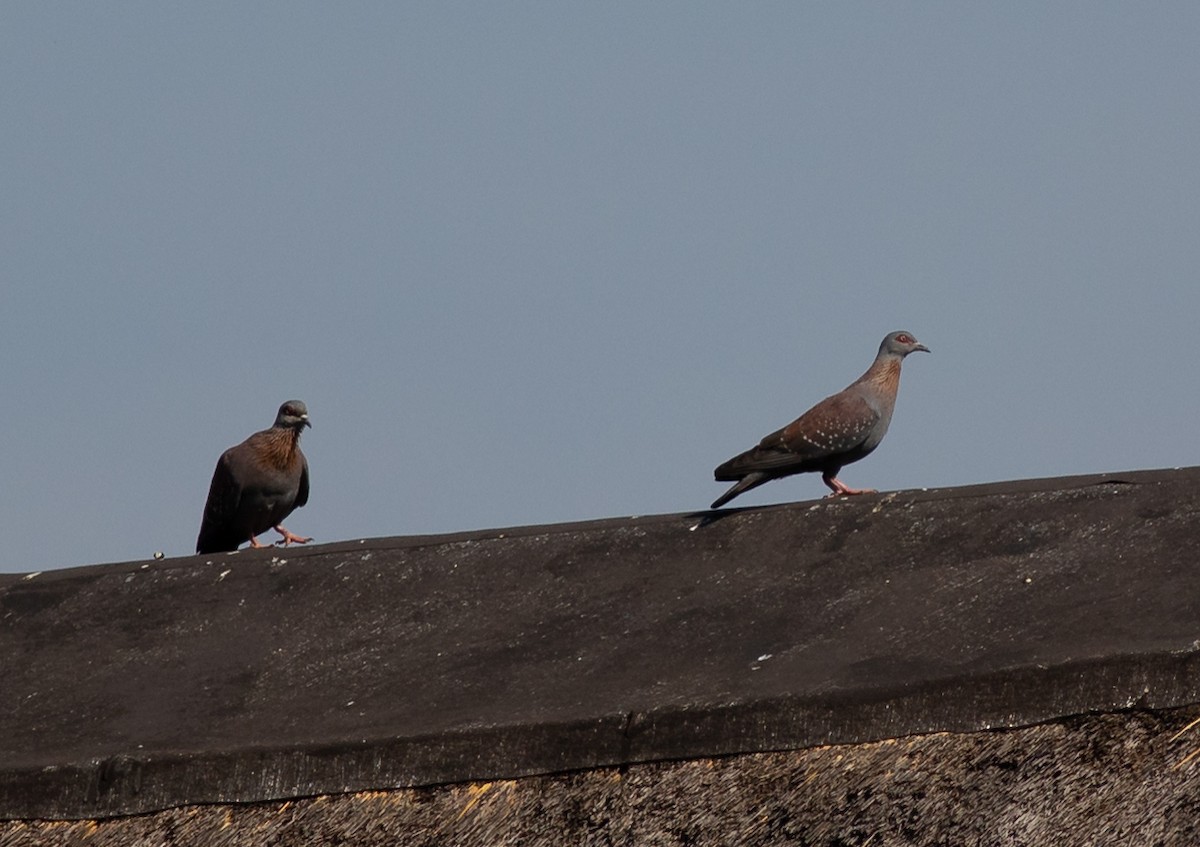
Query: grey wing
x,y
220,509
302,493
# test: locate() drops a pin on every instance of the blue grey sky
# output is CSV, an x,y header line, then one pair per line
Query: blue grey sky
x,y
541,262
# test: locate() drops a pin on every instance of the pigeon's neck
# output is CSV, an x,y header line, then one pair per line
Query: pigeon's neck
x,y
282,444
883,375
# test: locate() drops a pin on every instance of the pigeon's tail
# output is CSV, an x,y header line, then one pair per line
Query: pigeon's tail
x,y
752,480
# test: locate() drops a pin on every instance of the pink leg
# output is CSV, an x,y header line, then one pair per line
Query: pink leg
x,y
289,538
255,543
840,489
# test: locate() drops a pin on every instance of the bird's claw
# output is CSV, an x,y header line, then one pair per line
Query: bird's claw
x,y
840,489
290,538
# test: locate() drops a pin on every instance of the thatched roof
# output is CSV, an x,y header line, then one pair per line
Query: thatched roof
x,y
409,662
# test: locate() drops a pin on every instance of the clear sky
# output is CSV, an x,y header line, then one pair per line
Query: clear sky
x,y
542,262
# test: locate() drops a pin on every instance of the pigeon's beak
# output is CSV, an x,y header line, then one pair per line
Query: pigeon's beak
x,y
921,347
307,422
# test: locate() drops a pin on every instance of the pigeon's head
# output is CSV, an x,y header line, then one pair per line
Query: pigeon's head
x,y
293,415
900,343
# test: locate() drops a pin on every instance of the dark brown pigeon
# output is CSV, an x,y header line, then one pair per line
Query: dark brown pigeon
x,y
256,485
837,431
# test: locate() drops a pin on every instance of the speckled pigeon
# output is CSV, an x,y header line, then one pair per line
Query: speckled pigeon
x,y
257,484
837,431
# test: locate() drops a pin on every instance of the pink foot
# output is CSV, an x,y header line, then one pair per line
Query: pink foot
x,y
289,538
256,544
840,489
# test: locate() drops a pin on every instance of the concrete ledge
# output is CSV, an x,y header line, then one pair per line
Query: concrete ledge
x,y
1099,780
419,661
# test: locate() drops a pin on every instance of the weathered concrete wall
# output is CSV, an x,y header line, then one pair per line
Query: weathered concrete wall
x,y
492,655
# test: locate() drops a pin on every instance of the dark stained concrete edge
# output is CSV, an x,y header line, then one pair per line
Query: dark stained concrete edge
x,y
128,785
1106,779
